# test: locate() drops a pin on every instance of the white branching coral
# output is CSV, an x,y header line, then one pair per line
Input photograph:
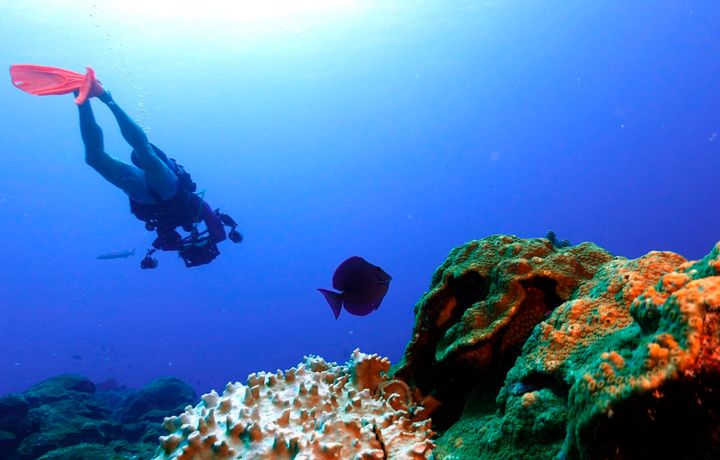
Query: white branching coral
x,y
318,410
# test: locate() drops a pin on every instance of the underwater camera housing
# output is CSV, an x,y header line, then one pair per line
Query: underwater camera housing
x,y
194,255
149,261
235,236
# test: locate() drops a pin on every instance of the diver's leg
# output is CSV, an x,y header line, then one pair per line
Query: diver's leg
x,y
160,178
126,177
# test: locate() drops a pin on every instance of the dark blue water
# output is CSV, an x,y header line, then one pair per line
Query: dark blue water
x,y
390,130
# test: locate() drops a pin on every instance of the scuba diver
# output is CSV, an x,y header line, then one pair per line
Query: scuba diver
x,y
162,194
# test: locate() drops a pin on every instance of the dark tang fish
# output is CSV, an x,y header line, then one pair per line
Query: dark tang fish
x,y
363,287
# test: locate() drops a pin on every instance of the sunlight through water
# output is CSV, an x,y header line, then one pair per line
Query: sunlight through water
x,y
245,15
228,10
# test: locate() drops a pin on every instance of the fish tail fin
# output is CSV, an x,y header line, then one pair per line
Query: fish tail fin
x,y
334,299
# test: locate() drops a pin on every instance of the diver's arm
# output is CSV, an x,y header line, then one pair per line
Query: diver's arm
x,y
215,228
167,240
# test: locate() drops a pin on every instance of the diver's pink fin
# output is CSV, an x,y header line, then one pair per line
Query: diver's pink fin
x,y
334,299
90,87
42,80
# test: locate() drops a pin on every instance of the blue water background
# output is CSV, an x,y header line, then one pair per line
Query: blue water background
x,y
390,130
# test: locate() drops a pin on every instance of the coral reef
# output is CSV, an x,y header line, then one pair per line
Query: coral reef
x,y
522,349
155,400
482,304
657,375
626,367
318,410
67,417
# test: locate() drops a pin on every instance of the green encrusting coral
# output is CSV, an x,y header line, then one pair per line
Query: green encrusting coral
x,y
625,365
482,305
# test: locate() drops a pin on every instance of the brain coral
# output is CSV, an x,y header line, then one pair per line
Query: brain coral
x,y
482,304
628,367
318,410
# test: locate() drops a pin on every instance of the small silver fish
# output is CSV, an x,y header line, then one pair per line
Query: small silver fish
x,y
117,255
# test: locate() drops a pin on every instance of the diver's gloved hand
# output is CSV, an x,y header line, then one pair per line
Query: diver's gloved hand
x,y
226,219
168,240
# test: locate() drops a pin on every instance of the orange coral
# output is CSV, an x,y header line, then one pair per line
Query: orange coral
x,y
599,308
620,358
638,331
485,300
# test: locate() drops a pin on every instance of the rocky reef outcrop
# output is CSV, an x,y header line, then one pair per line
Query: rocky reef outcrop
x,y
482,305
619,358
67,417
